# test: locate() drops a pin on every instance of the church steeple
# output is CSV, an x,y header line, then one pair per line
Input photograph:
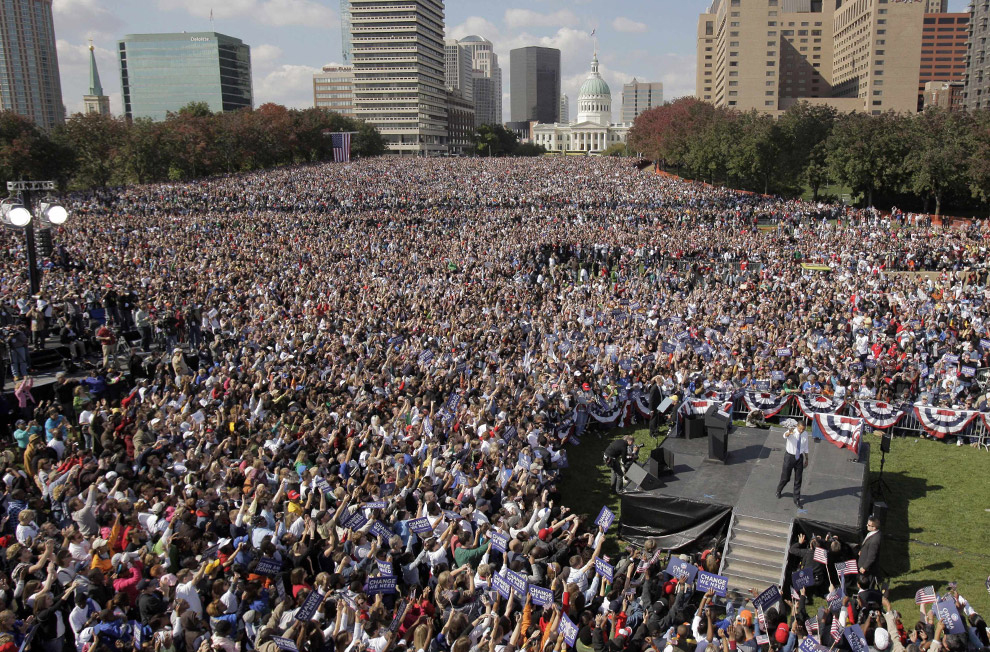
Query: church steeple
x,y
95,88
95,101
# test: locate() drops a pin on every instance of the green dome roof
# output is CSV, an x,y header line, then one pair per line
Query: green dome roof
x,y
594,84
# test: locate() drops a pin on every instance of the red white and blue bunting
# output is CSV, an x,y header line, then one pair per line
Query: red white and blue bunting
x,y
813,405
844,432
769,404
878,414
940,422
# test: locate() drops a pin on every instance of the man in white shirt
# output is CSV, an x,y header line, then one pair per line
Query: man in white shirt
x,y
795,459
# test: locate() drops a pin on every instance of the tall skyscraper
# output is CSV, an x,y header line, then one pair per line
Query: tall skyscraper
x,y
639,96
977,89
333,88
29,79
458,69
95,101
770,54
161,73
345,30
565,108
943,51
397,49
534,93
487,86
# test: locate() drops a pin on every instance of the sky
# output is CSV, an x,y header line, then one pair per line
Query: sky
x,y
651,40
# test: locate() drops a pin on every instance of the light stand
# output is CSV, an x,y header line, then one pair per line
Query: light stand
x,y
880,487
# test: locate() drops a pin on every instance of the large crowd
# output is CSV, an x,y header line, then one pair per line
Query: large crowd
x,y
323,408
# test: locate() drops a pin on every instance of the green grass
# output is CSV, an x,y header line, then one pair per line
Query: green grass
x,y
938,520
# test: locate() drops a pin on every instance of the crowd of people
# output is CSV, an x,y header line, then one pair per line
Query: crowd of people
x,y
323,407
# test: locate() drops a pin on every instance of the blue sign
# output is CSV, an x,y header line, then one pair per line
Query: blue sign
x,y
378,504
380,585
768,598
309,607
605,518
949,615
778,375
809,644
268,567
541,596
421,525
784,352
379,530
668,347
500,541
679,568
604,569
857,640
568,629
719,584
802,577
517,582
500,585
356,521
286,644
384,567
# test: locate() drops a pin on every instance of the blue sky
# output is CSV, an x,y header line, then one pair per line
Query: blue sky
x,y
652,40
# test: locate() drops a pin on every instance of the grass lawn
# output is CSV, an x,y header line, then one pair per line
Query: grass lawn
x,y
938,521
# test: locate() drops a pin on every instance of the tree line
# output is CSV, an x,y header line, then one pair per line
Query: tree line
x,y
92,150
923,159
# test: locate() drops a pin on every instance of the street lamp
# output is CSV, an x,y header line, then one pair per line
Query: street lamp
x,y
18,215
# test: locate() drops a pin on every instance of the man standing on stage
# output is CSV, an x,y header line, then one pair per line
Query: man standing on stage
x,y
796,444
869,552
618,455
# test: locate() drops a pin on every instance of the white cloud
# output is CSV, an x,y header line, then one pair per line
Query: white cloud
x,y
474,25
527,18
287,84
85,19
623,24
278,13
73,66
265,55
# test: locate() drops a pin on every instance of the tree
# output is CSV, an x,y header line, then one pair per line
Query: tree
x,y
190,142
978,161
367,141
804,129
529,149
25,150
664,133
494,140
867,153
707,146
616,149
144,151
939,146
99,145
756,155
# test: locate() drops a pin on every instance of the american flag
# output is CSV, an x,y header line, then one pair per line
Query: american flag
x,y
762,639
761,618
925,595
341,144
821,555
835,627
811,625
847,568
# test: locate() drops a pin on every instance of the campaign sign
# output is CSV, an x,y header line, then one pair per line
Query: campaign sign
x,y
719,584
568,629
379,530
768,598
541,596
323,485
802,577
950,359
356,521
809,644
966,370
380,585
378,504
784,352
857,640
500,585
949,615
399,615
679,568
385,567
421,525
667,347
778,375
750,320
604,569
286,644
500,541
517,582
985,344
605,518
309,607
268,567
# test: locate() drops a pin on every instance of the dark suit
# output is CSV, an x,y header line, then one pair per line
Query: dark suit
x,y
869,554
616,454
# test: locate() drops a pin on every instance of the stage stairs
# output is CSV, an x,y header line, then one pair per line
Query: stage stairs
x,y
755,554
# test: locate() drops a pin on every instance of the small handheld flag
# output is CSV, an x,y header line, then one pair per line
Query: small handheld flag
x,y
925,595
847,568
821,555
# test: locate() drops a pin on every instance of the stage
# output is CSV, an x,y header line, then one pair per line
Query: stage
x,y
696,502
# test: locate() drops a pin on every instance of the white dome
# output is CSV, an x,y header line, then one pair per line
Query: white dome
x,y
595,98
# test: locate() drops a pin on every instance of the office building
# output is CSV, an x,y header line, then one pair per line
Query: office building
x,y
397,50
333,89
95,101
977,89
534,93
944,39
161,73
858,55
460,124
944,95
345,31
487,80
565,108
458,69
29,81
639,96
593,130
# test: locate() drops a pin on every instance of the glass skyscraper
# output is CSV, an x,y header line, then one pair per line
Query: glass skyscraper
x,y
29,80
160,73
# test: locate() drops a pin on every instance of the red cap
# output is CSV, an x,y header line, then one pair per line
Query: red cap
x,y
783,633
544,534
586,387
293,495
